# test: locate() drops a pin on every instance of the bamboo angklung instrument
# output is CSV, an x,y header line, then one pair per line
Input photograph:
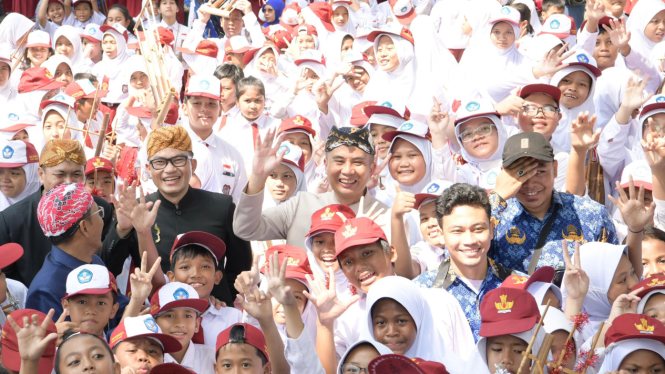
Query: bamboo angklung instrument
x,y
222,8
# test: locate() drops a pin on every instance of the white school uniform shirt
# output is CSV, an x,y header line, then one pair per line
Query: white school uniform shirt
x,y
18,293
96,18
239,133
227,161
179,31
231,116
214,321
50,28
348,325
252,27
199,358
301,355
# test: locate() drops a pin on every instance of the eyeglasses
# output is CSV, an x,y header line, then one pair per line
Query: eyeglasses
x,y
483,130
177,161
549,111
352,369
100,211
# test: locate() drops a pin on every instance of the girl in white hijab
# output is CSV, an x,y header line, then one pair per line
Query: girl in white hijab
x,y
619,354
296,135
14,31
359,355
61,68
7,90
67,42
262,64
111,70
344,22
556,323
476,23
58,116
645,19
30,175
577,83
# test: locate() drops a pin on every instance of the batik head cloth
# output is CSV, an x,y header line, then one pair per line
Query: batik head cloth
x,y
62,207
352,136
169,137
58,151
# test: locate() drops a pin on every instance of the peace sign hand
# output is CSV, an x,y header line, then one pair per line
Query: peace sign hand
x,y
370,213
141,282
374,177
575,279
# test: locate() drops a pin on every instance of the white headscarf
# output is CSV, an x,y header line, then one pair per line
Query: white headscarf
x,y
301,185
433,57
429,344
54,61
503,137
639,18
539,289
304,103
8,91
556,320
425,147
72,121
312,19
561,137
31,186
615,354
13,27
349,27
72,34
134,63
526,336
114,68
536,48
382,349
478,14
333,49
599,261
272,84
27,107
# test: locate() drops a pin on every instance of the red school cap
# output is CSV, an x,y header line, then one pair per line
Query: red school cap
x,y
323,11
544,274
359,116
38,79
253,337
297,264
506,311
635,326
10,354
296,123
393,363
213,244
357,231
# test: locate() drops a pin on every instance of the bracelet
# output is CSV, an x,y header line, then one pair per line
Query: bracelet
x,y
636,232
608,322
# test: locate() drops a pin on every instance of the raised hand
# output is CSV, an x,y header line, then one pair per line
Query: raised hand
x,y
575,279
633,211
266,157
141,281
250,277
654,147
202,15
255,302
438,120
404,202
322,94
618,35
61,326
378,168
552,62
318,151
328,306
626,303
276,278
582,135
632,94
32,339
126,196
510,106
510,179
302,83
595,10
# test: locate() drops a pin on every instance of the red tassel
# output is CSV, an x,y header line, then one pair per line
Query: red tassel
x,y
586,359
581,320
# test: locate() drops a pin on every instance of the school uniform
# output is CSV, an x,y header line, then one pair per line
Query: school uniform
x,y
242,133
96,18
16,296
179,31
232,116
214,321
301,355
198,358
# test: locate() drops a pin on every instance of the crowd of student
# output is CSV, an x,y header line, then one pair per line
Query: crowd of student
x,y
405,186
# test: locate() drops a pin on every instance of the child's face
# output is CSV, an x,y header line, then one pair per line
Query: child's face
x,y
140,354
323,248
466,27
84,107
269,13
5,72
91,312
281,183
84,354
251,103
202,112
653,257
540,124
642,361
481,146
302,141
63,73
105,184
266,60
386,54
365,264
306,42
506,350
503,36
468,234
228,92
340,16
115,16
605,53
181,323
239,358
658,122
55,12
63,46
139,80
168,8
38,55
575,89
407,164
83,12
232,25
96,48
560,337
12,182
615,6
21,135
623,281
347,46
311,76
655,29
429,226
358,79
553,10
655,307
109,46
370,56
360,356
393,326
382,145
199,272
297,289
55,127
236,58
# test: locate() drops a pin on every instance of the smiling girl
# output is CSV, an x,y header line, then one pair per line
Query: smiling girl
x,y
646,25
18,175
67,42
39,50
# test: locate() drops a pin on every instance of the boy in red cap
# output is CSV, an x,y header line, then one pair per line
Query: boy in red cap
x,y
244,347
100,177
177,309
138,343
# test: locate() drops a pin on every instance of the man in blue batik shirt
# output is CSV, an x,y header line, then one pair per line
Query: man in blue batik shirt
x,y
463,212
524,200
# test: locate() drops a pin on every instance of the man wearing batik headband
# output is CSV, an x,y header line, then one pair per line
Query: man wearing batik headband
x,y
73,222
61,161
181,209
349,164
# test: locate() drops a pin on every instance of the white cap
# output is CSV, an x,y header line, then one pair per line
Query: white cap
x,y
506,14
16,153
402,7
290,16
60,98
641,172
205,86
430,192
560,25
92,33
176,295
414,128
90,280
237,44
312,55
293,155
474,108
39,38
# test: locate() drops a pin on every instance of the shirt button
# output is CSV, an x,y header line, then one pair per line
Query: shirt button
x,y
178,213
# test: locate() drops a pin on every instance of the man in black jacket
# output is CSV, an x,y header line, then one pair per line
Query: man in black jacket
x,y
61,161
183,209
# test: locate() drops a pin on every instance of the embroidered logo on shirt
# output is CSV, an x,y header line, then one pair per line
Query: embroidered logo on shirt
x,y
181,294
327,215
644,328
151,325
573,234
554,24
350,231
504,306
472,106
660,99
406,127
13,117
84,276
515,236
583,58
655,282
7,152
433,188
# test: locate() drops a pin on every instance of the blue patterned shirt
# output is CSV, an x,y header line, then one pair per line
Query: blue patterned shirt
x,y
516,231
468,299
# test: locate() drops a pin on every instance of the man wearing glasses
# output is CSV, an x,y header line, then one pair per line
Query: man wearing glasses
x,y
61,161
182,209
73,222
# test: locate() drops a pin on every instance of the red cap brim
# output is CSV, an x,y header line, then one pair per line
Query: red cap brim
x,y
169,343
91,171
185,50
10,252
327,227
328,25
558,35
545,89
199,305
593,69
390,135
407,18
377,109
43,45
100,94
296,127
356,242
209,96
139,111
17,127
12,360
491,329
420,197
638,184
98,41
241,50
51,86
460,120
652,107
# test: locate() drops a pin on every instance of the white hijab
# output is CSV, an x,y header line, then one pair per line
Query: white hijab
x,y
536,48
382,349
639,18
8,91
599,261
271,83
616,353
429,344
27,107
312,19
561,137
270,202
304,103
526,336
556,320
72,34
643,301
350,26
113,67
425,147
31,186
13,27
72,121
54,61
333,49
539,289
503,137
478,14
